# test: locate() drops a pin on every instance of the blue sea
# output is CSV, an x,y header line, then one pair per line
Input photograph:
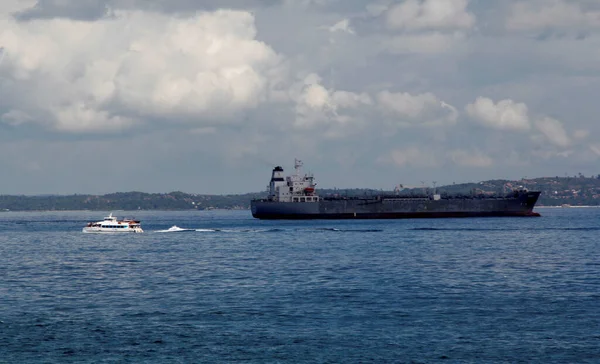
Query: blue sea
x,y
236,289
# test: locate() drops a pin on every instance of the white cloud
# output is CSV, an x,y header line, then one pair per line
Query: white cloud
x,y
405,104
475,159
551,14
350,99
316,105
424,109
77,117
424,26
554,131
342,26
430,14
89,76
505,115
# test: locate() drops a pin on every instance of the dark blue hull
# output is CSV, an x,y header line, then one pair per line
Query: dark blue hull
x,y
519,205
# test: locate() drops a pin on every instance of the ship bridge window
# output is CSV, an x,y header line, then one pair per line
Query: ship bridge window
x,y
302,199
295,199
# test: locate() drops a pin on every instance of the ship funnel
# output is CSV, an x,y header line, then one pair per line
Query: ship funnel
x,y
277,180
277,174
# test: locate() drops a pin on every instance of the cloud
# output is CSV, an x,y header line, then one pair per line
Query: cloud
x,y
193,86
552,14
424,26
117,71
345,112
505,115
554,131
422,109
342,26
430,14
317,106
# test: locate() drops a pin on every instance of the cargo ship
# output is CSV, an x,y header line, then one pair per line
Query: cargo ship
x,y
295,197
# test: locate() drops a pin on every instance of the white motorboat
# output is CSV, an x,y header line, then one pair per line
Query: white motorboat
x,y
111,224
173,229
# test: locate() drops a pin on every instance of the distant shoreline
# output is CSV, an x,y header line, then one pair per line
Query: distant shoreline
x,y
563,192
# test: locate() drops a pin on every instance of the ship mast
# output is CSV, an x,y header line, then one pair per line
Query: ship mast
x,y
297,165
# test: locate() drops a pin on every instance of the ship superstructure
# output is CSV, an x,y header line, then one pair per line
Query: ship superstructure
x,y
294,188
295,197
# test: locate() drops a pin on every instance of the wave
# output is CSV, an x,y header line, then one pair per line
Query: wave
x,y
466,229
351,230
524,228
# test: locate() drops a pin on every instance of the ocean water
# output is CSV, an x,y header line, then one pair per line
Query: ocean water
x,y
236,289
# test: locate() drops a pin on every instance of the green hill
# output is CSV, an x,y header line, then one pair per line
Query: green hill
x,y
555,192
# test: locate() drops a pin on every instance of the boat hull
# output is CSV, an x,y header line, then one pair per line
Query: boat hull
x,y
110,231
379,207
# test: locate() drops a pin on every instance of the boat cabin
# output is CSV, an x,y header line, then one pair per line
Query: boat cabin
x,y
294,188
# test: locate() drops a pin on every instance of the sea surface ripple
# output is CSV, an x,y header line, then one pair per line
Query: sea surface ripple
x,y
234,289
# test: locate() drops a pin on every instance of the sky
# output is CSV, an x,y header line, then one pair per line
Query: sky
x,y
100,96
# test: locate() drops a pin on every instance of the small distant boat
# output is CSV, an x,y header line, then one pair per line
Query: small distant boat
x,y
174,229
111,224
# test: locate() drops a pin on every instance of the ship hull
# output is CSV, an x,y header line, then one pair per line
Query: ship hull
x,y
520,205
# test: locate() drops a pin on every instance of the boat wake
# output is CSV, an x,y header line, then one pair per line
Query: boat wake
x,y
177,229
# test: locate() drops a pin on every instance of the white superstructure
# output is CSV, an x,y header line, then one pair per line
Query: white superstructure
x,y
111,224
294,188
